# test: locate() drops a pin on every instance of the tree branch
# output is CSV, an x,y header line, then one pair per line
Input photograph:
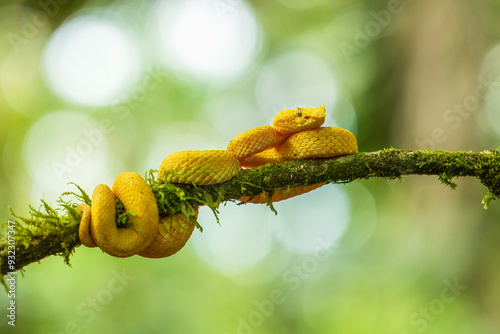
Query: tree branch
x,y
55,231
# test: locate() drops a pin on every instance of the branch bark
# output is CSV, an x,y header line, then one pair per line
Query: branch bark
x,y
48,232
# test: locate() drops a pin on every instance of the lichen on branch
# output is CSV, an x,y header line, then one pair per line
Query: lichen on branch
x,y
48,231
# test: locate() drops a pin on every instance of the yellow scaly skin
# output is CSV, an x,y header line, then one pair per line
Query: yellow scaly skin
x,y
137,197
174,232
198,167
295,134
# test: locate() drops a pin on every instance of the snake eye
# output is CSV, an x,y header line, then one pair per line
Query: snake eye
x,y
299,113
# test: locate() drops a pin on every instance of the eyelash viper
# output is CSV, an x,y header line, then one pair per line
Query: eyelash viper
x,y
295,134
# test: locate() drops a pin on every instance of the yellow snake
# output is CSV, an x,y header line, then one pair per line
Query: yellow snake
x,y
295,134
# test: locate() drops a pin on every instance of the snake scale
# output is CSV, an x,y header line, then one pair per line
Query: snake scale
x,y
295,134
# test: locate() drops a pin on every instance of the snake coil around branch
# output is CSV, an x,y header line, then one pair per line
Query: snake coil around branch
x,y
48,231
295,134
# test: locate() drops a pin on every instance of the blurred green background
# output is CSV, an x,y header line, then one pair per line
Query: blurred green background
x,y
91,89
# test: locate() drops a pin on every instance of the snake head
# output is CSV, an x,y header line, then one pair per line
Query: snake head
x,y
290,121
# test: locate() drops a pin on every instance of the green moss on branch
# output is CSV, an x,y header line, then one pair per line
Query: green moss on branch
x,y
54,232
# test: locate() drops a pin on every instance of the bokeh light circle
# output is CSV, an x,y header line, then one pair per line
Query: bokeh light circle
x,y
180,136
228,116
199,39
489,76
295,78
64,147
92,61
243,240
314,221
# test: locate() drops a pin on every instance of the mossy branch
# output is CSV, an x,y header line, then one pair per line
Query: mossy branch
x,y
54,232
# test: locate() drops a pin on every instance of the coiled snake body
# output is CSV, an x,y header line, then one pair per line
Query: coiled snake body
x,y
295,134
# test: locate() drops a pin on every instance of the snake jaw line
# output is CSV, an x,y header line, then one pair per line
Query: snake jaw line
x,y
295,134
